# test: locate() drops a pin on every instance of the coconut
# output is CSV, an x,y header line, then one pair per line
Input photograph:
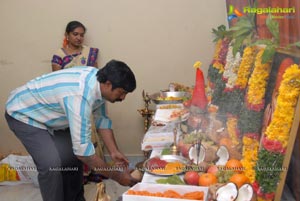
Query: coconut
x,y
223,155
227,192
203,166
193,154
213,189
245,193
210,151
137,175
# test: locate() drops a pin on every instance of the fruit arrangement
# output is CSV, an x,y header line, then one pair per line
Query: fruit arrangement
x,y
156,163
159,166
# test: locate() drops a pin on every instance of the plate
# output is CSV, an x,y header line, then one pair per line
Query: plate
x,y
174,97
168,159
168,115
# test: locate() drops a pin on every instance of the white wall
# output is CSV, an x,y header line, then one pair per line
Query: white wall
x,y
159,39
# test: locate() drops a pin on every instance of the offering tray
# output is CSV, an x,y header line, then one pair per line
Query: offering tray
x,y
152,164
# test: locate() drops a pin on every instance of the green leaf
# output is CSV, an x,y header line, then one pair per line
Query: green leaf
x,y
237,44
174,179
273,27
245,22
220,32
297,44
268,54
166,151
248,39
162,181
241,32
268,169
266,42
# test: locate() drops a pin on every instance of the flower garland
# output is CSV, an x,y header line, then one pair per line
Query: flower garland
x,y
232,129
212,71
258,83
276,136
216,70
268,169
245,68
252,111
229,62
231,68
234,92
217,51
289,90
221,60
250,155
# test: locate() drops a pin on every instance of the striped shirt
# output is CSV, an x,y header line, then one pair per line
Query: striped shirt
x,y
61,99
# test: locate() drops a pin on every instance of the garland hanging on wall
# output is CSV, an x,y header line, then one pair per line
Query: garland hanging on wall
x,y
275,139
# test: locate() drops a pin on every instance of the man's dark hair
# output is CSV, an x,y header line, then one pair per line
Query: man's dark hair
x,y
119,74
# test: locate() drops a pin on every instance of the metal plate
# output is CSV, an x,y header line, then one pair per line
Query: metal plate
x,y
167,158
179,94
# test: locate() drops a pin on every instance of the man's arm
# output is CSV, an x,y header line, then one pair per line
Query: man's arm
x,y
110,143
98,165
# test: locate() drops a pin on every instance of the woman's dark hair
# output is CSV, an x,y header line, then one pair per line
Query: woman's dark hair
x,y
119,74
73,25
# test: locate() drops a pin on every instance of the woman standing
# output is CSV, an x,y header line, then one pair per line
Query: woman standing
x,y
73,52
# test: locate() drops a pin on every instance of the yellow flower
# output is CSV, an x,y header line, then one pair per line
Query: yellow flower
x,y
217,49
232,129
250,156
289,90
245,67
219,66
197,64
258,80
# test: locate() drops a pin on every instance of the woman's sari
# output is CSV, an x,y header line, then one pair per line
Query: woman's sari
x,y
87,57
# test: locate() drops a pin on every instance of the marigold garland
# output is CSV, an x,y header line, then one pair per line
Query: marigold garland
x,y
289,90
250,155
276,136
217,51
245,68
258,83
232,129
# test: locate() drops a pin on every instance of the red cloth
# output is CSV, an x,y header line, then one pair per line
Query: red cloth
x,y
199,98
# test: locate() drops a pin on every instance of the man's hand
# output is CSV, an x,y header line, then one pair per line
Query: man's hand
x,y
119,159
110,143
125,178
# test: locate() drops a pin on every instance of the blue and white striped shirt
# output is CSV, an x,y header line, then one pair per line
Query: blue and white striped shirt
x,y
61,99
